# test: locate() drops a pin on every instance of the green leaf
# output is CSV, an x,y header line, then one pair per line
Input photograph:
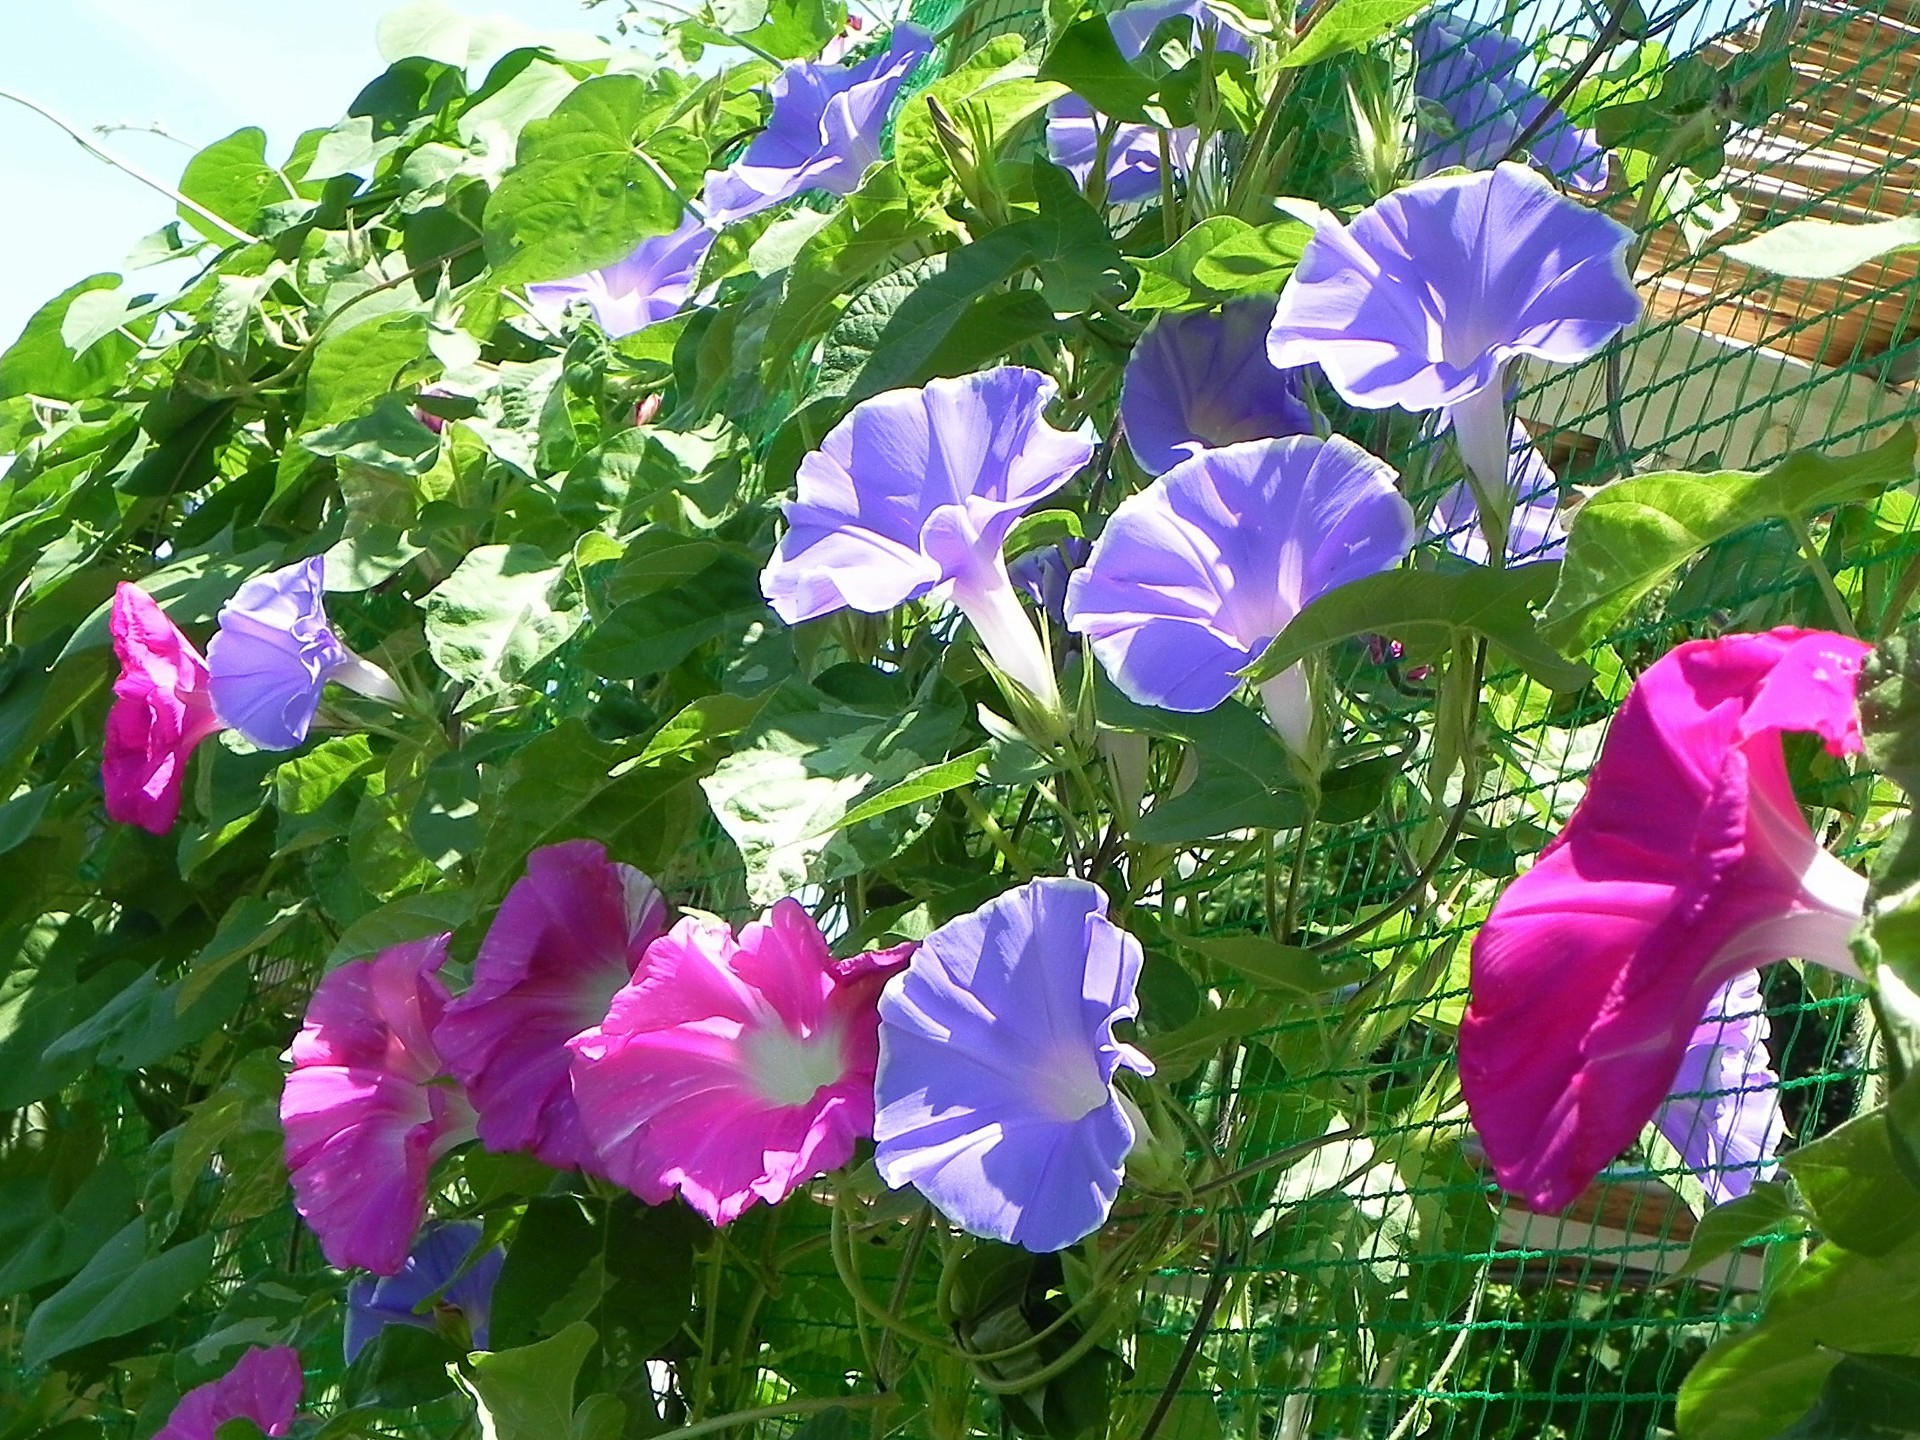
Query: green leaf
x,y
354,367
412,917
147,1022
1764,1210
1429,604
1866,1397
1167,280
1253,261
564,784
622,1266
1087,60
46,1235
1826,249
20,815
923,784
1349,25
232,179
249,924
1246,778
1274,966
493,619
802,767
1755,1381
389,437
1851,1180
527,1393
652,634
39,362
588,184
1889,692
1633,534
122,1288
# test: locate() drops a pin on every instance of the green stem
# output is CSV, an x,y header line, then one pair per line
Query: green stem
x,y
1836,602
1896,612
786,1407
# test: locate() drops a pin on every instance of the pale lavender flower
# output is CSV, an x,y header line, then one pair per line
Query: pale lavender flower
x,y
274,652
824,131
995,1090
1193,576
649,285
1474,76
1200,380
912,496
1424,299
1722,1112
1041,574
374,1303
1133,153
1534,528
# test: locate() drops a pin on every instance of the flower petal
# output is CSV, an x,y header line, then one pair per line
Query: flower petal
x,y
1686,862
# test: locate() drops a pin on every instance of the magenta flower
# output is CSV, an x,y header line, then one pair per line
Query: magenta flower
x,y
997,1057
824,131
161,711
912,496
1472,75
275,652
1723,1111
1687,862
569,934
1200,380
1193,576
733,1071
649,285
264,1386
441,1269
1133,153
369,1106
1424,299
1534,528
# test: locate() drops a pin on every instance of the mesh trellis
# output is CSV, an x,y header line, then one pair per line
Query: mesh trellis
x,y
1571,1325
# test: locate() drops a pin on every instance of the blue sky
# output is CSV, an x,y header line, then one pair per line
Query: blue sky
x,y
201,69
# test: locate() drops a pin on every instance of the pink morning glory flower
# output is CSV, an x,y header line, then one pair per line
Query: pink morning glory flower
x,y
1133,154
1473,75
997,1057
1428,295
161,711
1723,1112
824,130
1200,380
275,652
264,1386
912,496
733,1070
1687,862
649,285
443,1269
369,1106
1193,576
569,934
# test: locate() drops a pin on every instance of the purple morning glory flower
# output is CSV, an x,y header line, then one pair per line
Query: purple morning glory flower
x,y
1133,154
1723,1110
824,131
1423,300
274,652
1474,75
1041,574
373,1303
912,495
649,285
1193,576
995,1091
1534,529
1201,380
